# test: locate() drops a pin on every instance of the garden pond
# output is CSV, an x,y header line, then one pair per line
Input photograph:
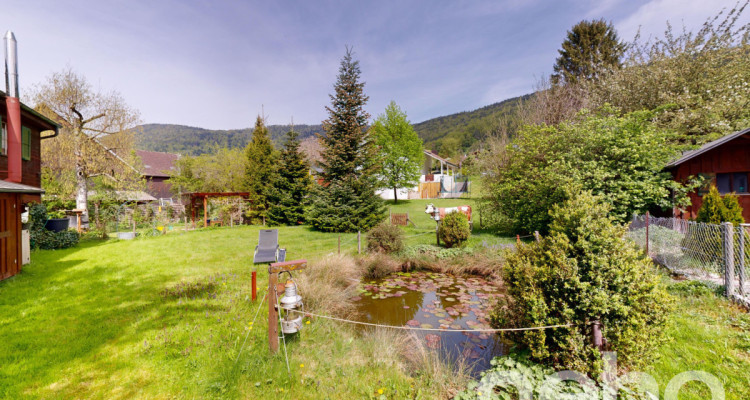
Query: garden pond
x,y
437,301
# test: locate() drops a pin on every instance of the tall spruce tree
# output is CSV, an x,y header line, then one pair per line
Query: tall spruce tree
x,y
291,186
589,49
346,201
259,171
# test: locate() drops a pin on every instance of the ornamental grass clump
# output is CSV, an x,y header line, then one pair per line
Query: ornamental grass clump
x,y
584,271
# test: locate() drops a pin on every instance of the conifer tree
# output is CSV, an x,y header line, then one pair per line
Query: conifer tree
x,y
346,201
589,49
715,209
291,185
259,171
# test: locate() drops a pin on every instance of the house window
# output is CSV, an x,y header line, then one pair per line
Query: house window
x,y
732,182
25,143
4,140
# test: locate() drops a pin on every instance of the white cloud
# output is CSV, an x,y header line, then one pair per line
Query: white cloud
x,y
652,17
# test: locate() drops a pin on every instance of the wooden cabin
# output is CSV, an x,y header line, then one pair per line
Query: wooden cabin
x,y
20,175
156,169
725,163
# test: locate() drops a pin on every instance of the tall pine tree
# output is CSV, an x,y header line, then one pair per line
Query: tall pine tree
x,y
590,49
346,201
291,186
259,171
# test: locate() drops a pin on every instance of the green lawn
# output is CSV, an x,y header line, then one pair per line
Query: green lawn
x,y
95,322
709,334
165,317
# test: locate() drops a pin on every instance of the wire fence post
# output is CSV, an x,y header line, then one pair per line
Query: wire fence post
x,y
729,258
648,217
359,242
741,249
437,232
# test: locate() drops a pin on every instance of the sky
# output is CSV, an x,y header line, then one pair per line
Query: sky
x,y
218,64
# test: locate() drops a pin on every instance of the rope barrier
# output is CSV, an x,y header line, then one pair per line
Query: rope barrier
x,y
410,328
260,304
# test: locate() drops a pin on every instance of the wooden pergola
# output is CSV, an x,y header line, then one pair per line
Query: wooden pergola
x,y
201,198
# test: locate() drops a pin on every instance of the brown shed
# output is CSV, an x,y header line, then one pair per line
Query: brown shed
x,y
726,164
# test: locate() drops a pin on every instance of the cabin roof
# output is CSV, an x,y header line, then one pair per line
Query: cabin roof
x,y
10,187
430,154
689,155
156,163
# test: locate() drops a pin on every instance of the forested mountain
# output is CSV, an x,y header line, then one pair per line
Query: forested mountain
x,y
190,140
449,135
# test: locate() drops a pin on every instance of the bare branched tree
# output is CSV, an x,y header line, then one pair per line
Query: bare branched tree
x,y
96,138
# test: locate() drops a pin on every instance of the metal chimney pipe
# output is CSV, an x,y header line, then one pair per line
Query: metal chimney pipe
x,y
13,107
11,65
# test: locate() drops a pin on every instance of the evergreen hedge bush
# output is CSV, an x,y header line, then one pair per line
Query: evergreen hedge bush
x,y
454,230
584,271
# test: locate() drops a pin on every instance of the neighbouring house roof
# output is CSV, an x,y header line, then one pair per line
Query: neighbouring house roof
x,y
156,163
130,195
689,155
430,154
10,187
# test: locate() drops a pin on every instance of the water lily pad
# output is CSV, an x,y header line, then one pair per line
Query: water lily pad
x,y
412,322
406,307
433,341
426,326
450,299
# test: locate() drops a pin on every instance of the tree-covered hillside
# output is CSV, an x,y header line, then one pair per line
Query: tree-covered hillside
x,y
190,140
449,135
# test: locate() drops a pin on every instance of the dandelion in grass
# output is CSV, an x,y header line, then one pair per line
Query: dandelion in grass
x,y
302,365
380,391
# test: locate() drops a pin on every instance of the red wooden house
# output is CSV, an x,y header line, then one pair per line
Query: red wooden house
x,y
725,163
156,169
20,171
20,162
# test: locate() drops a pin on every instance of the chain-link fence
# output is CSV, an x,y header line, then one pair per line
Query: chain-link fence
x,y
717,253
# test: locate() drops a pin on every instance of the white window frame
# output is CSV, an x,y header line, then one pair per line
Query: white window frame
x,y
4,140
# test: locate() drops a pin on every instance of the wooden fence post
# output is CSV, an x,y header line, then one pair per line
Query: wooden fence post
x,y
359,242
596,335
648,217
254,285
729,258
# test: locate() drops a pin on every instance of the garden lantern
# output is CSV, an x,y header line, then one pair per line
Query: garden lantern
x,y
291,301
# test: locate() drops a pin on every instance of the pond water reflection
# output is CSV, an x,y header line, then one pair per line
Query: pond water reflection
x,y
433,300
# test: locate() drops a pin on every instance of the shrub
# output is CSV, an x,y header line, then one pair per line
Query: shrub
x,y
454,230
582,272
620,157
42,238
385,238
715,209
